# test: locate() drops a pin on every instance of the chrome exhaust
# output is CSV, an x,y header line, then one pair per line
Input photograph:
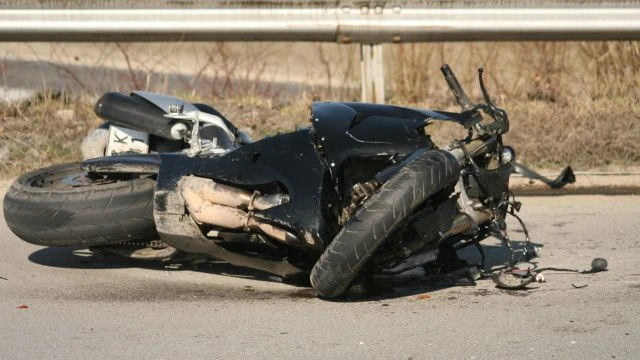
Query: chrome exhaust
x,y
221,205
231,196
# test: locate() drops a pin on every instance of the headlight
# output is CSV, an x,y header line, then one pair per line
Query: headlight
x,y
507,155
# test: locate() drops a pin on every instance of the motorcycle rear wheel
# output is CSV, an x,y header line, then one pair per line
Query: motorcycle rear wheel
x,y
379,216
63,205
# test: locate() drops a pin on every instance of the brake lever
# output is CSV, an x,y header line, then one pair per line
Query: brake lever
x,y
500,125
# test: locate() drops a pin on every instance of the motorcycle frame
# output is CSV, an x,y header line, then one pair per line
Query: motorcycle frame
x,y
312,165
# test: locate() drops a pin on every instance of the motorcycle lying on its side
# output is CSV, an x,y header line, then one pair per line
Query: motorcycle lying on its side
x,y
362,191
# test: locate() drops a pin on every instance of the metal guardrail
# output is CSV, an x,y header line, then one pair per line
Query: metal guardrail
x,y
345,24
369,23
289,4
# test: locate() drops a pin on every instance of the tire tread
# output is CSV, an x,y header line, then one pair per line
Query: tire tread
x,y
80,216
378,217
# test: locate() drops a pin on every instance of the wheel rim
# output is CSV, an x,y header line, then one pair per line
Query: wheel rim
x,y
74,177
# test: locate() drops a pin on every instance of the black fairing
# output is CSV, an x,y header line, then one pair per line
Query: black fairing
x,y
287,161
307,164
357,140
343,131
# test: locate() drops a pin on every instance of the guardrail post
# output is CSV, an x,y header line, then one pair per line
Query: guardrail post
x,y
372,73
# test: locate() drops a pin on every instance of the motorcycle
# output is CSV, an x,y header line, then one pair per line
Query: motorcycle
x,y
362,191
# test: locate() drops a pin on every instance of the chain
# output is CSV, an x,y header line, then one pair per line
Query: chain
x,y
359,194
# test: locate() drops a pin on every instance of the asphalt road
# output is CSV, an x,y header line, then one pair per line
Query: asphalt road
x,y
88,306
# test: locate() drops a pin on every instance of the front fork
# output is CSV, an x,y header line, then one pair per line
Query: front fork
x,y
471,213
480,222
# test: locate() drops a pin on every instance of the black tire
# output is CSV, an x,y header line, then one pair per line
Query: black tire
x,y
63,206
378,217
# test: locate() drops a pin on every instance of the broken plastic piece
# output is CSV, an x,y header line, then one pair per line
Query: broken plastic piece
x,y
565,177
513,279
539,278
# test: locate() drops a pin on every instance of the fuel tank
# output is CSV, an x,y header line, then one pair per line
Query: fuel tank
x,y
346,131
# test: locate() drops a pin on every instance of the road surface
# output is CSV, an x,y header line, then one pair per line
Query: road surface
x,y
79,305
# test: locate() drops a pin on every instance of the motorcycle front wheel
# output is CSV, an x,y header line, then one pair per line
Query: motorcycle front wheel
x,y
64,205
379,216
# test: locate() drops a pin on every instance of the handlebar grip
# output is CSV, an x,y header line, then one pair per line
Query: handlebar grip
x,y
456,89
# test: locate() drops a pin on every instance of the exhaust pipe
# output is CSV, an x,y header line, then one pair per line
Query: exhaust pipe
x,y
221,205
231,196
464,222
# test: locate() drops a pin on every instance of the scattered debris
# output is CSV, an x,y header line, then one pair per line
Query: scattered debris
x,y
517,278
513,279
23,306
539,278
424,296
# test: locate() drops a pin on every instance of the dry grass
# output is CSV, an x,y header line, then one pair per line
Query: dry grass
x,y
569,103
50,128
45,130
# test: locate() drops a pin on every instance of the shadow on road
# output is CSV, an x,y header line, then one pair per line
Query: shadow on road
x,y
85,259
379,288
391,287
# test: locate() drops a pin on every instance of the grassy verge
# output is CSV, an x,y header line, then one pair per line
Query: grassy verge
x,y
602,135
569,103
49,128
44,130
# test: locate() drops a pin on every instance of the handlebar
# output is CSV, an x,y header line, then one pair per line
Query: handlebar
x,y
473,118
456,89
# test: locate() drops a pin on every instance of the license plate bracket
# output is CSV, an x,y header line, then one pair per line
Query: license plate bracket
x,y
124,140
